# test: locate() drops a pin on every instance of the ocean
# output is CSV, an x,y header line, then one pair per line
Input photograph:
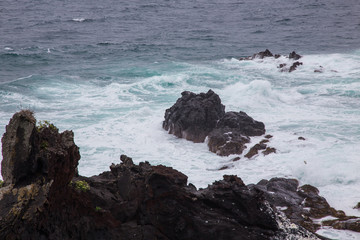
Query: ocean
x,y
108,70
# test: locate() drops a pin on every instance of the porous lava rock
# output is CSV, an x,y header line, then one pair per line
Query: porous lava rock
x,y
197,116
232,132
194,116
303,205
128,202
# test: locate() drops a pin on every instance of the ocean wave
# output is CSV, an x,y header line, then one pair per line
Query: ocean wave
x,y
78,19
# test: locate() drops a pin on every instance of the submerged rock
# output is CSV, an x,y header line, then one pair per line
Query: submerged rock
x,y
128,202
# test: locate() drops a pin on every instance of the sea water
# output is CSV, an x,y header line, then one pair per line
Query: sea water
x,y
108,71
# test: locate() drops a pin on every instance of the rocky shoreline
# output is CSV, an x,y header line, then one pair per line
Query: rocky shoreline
x,y
43,197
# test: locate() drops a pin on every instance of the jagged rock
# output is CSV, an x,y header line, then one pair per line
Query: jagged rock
x,y
194,116
129,202
17,147
357,206
303,205
263,54
37,166
294,66
269,150
260,55
226,141
294,55
197,116
232,133
241,123
255,150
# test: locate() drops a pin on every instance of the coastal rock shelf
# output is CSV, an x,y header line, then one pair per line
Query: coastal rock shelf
x,y
43,197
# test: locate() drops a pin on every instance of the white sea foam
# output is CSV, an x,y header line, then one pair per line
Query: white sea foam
x,y
338,234
80,19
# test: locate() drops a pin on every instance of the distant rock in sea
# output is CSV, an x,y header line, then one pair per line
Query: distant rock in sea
x,y
266,54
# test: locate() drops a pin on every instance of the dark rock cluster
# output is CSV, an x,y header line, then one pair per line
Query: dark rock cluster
x,y
283,66
128,202
44,198
197,116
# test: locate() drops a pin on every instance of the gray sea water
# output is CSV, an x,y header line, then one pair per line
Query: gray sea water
x,y
109,69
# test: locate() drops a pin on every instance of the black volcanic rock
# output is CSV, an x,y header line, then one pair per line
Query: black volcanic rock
x,y
242,123
197,116
294,66
194,116
261,55
294,55
226,141
232,133
303,205
130,201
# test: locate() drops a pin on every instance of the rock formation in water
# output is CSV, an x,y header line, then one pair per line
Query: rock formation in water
x,y
41,198
283,66
197,116
194,116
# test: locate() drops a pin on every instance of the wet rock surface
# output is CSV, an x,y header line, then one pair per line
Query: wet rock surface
x,y
304,206
128,202
283,66
197,116
194,116
142,201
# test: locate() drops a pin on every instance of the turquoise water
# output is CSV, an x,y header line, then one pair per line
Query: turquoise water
x,y
109,70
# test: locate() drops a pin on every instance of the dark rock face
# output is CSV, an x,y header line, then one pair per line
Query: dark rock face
x,y
232,133
261,55
193,116
293,55
17,147
303,205
196,116
37,166
128,202
226,141
294,66
242,123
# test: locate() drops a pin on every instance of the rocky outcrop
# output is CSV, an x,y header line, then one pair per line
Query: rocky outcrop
x,y
197,116
232,132
38,164
260,55
141,201
304,206
128,202
283,66
194,116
